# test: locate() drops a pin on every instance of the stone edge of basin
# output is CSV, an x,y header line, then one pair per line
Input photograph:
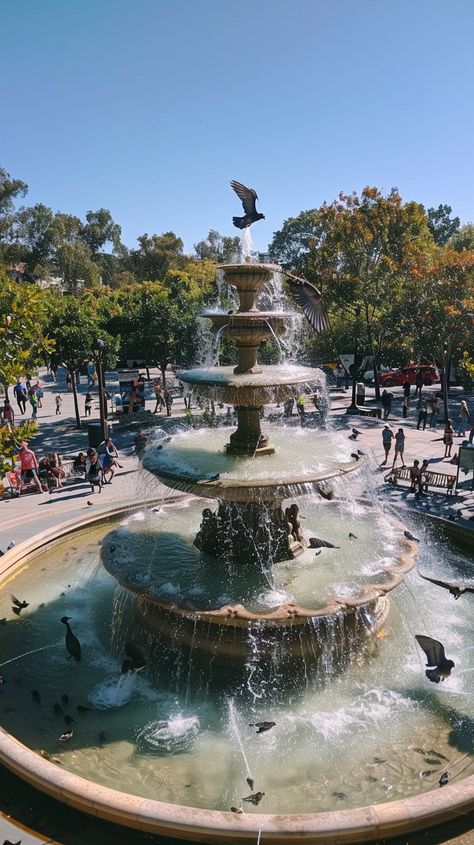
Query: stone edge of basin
x,y
362,824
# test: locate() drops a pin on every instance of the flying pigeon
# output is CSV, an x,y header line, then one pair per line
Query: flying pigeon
x,y
410,536
456,590
439,667
248,197
309,297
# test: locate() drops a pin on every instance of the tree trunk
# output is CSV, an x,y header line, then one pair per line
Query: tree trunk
x,y
74,393
5,390
147,373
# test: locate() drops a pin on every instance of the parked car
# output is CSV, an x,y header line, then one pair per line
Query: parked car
x,y
396,377
369,374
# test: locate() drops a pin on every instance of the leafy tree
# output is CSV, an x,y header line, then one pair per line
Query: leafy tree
x,y
294,245
441,225
219,248
23,340
74,262
463,239
10,189
100,229
156,255
35,230
75,327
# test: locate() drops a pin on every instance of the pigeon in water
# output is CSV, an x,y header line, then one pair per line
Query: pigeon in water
x,y
136,657
248,197
237,810
262,726
36,696
255,798
67,735
81,709
354,435
310,300
352,536
73,645
58,710
410,536
65,699
317,543
444,779
439,667
456,590
250,782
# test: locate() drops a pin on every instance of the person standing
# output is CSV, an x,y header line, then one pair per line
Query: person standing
x,y
406,391
87,404
386,403
20,395
59,402
300,406
422,415
29,465
405,407
8,415
168,400
33,402
90,373
448,438
435,409
39,393
68,380
387,437
399,446
418,383
463,418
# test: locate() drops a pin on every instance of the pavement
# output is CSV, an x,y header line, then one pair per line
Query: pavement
x,y
21,518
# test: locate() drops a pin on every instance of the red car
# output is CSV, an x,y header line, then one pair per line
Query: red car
x,y
396,377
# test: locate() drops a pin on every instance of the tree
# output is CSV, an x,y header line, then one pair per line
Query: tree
x,y
463,239
75,327
156,255
100,229
74,262
23,341
219,248
10,189
34,229
441,225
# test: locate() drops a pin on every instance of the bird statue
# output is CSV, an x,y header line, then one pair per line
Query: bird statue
x,y
456,590
309,297
73,645
248,197
439,667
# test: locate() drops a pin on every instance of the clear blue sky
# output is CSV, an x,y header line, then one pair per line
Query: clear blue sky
x,y
150,107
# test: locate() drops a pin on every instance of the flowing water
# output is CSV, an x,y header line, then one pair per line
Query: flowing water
x,y
179,730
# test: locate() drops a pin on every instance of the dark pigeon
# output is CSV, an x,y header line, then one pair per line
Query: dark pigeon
x,y
248,197
439,667
309,298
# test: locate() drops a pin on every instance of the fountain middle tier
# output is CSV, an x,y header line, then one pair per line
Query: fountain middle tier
x,y
272,384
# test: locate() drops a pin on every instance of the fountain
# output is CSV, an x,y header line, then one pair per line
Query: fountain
x,y
268,606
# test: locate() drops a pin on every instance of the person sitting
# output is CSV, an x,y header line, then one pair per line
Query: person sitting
x,y
415,478
79,464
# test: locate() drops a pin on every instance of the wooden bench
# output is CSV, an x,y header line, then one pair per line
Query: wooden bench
x,y
440,480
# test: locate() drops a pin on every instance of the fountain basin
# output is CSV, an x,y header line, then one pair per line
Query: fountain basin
x,y
369,822
271,384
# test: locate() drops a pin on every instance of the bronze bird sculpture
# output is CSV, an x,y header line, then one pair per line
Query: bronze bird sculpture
x,y
248,197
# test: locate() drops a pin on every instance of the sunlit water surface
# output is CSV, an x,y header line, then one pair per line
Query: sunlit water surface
x,y
179,731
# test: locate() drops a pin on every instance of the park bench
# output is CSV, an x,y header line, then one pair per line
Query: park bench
x,y
369,412
440,480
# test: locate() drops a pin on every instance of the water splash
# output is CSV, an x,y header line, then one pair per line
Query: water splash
x,y
247,244
25,653
234,726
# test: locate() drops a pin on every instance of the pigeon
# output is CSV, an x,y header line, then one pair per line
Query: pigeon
x,y
90,504
3,621
58,710
65,699
67,735
262,726
136,657
69,720
7,842
410,536
456,590
309,297
237,810
317,543
355,456
352,536
439,667
444,779
248,197
36,696
255,798
81,709
73,645
354,434
250,782
19,605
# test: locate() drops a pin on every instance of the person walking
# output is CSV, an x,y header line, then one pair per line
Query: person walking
x,y
406,391
300,406
33,402
68,380
20,395
435,409
87,405
448,438
8,415
29,465
159,403
168,400
387,399
463,418
422,415
418,383
387,437
90,374
399,446
59,402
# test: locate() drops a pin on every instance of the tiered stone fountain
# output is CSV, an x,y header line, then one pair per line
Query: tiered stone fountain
x,y
250,528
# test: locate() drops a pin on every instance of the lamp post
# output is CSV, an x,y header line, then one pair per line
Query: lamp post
x,y
99,355
353,409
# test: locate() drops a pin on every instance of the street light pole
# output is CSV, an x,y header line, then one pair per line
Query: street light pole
x,y
99,351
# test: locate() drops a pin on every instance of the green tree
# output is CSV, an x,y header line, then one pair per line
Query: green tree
x,y
34,229
441,225
463,239
75,264
100,229
23,340
219,248
10,189
156,255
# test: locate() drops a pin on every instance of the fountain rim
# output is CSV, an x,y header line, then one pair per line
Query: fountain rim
x,y
370,822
